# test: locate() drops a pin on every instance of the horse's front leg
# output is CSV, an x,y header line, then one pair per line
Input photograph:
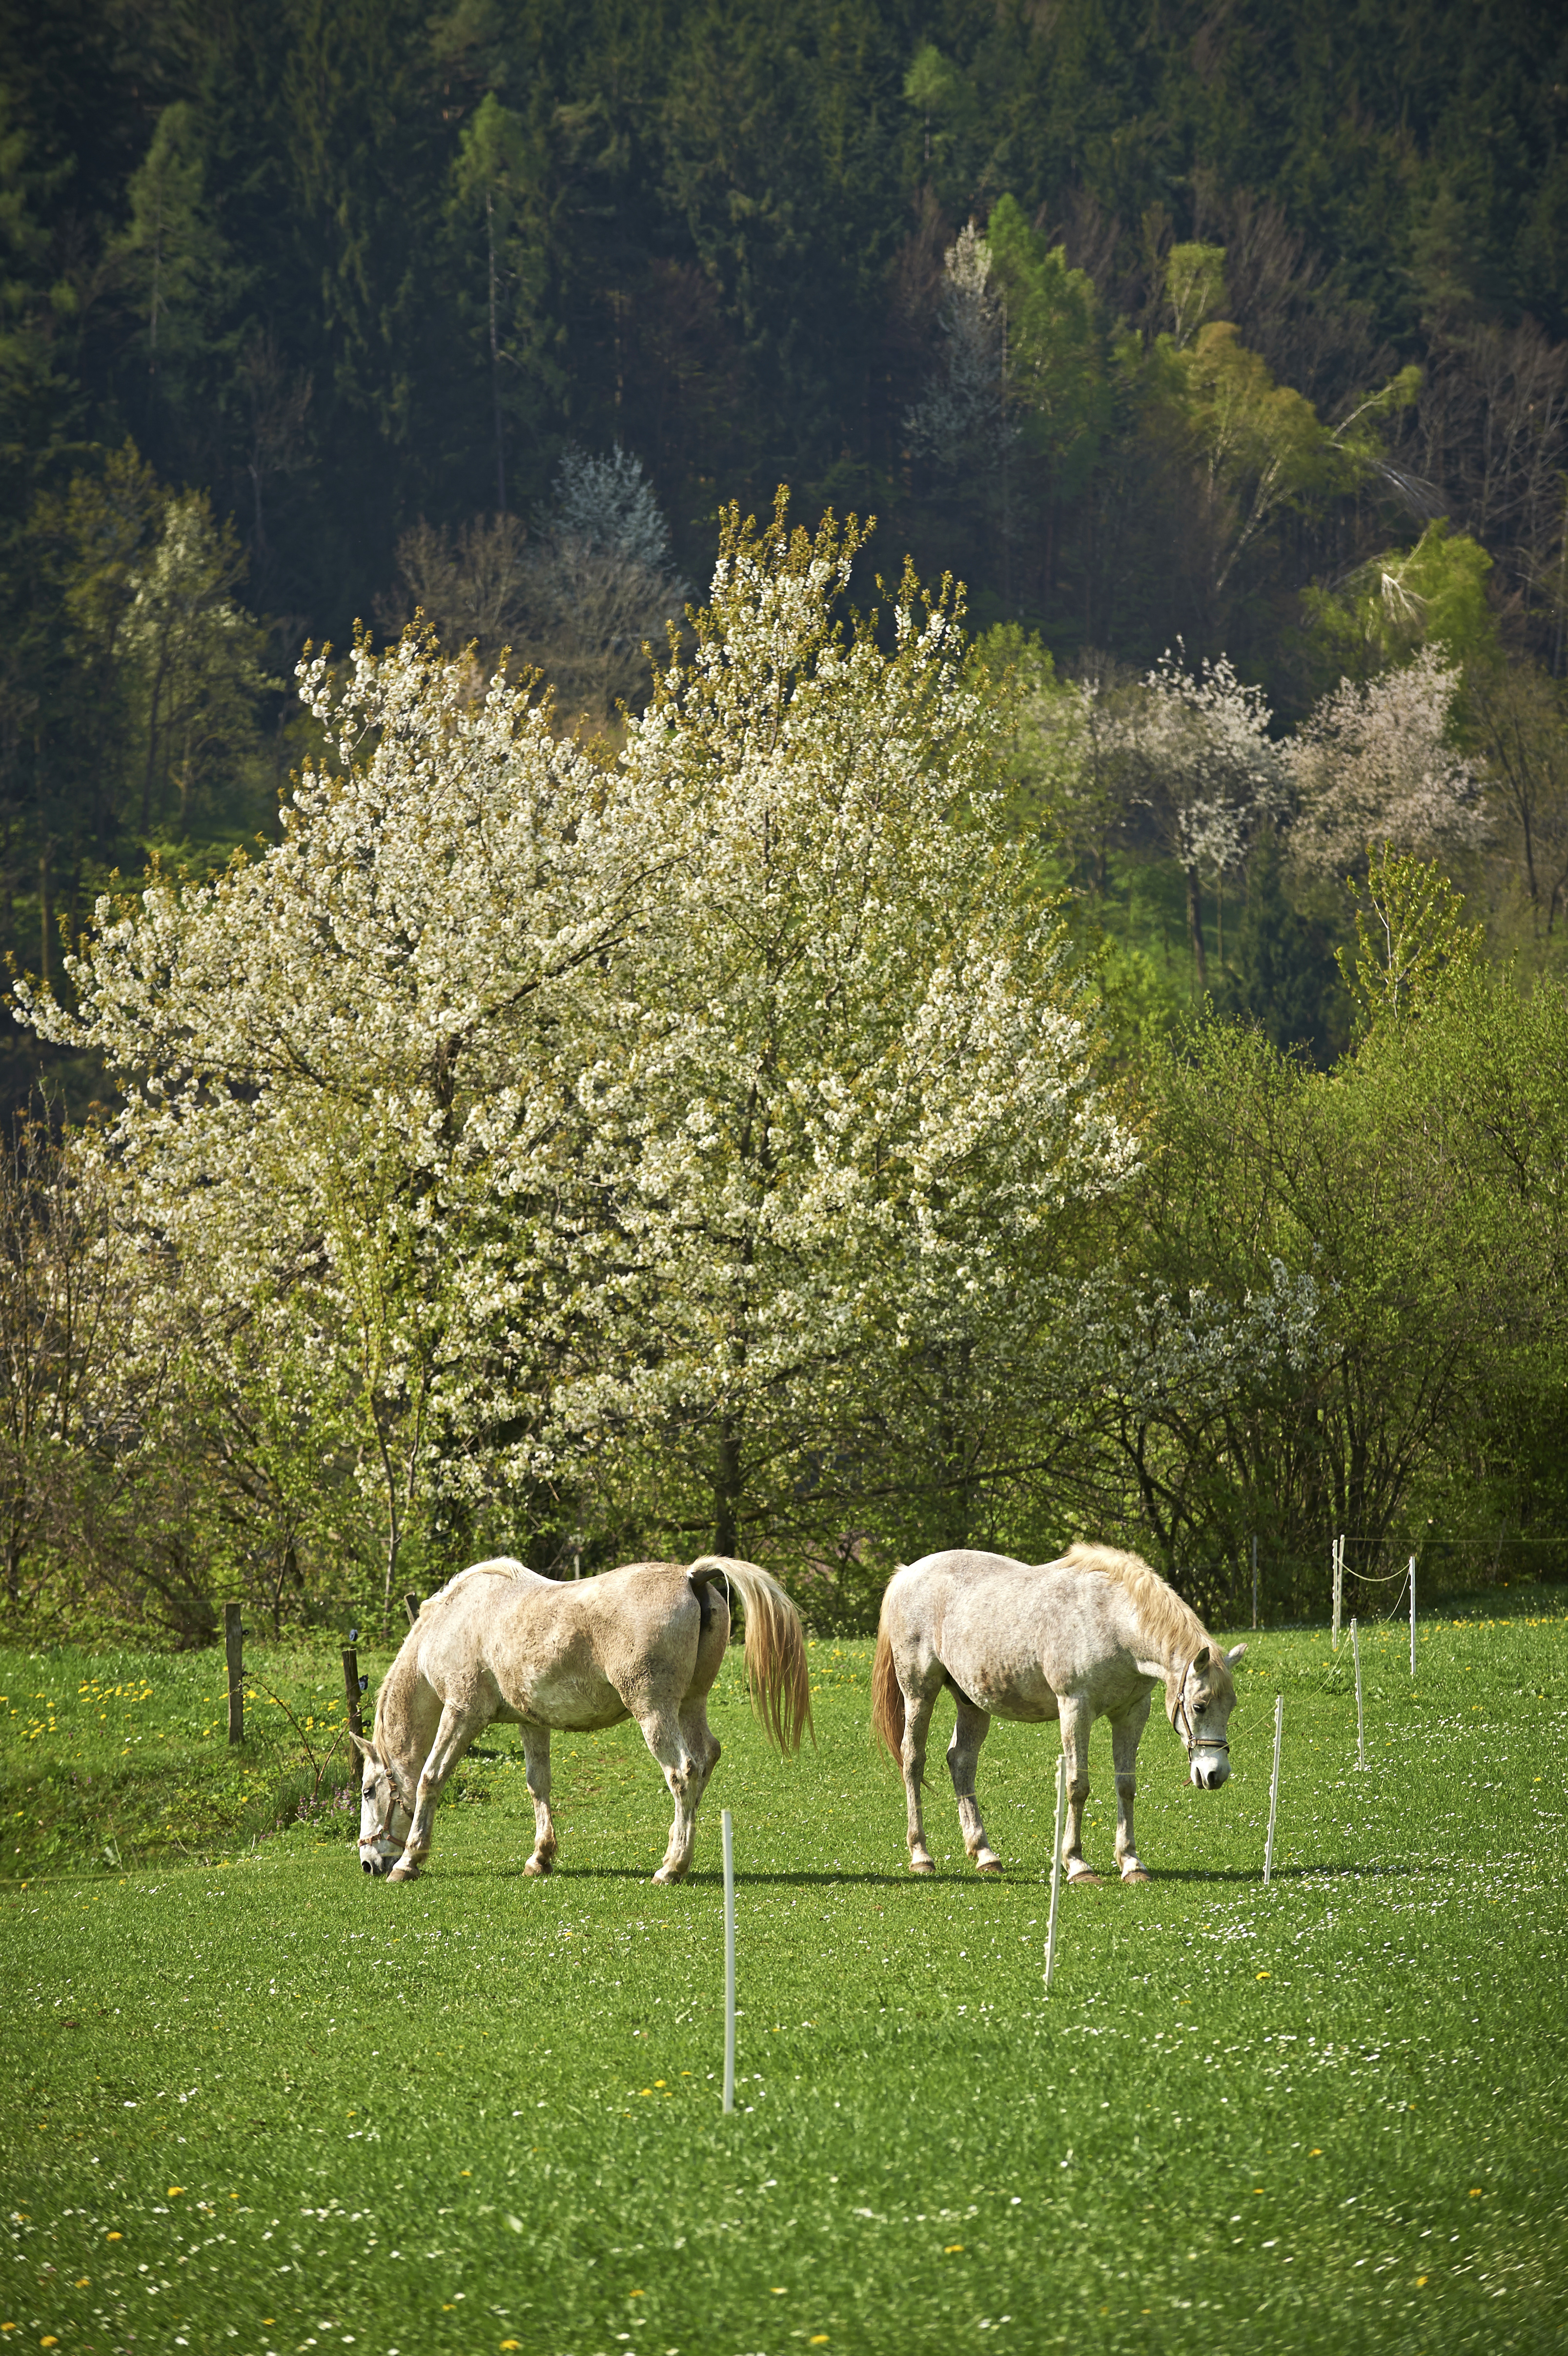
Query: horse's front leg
x,y
963,1758
536,1767
1077,1717
1125,1732
460,1722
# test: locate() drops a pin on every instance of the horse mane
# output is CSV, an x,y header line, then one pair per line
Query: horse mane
x,y
1166,1618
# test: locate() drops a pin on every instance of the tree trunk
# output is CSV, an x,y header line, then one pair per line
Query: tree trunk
x,y
1195,927
495,361
956,1504
727,1490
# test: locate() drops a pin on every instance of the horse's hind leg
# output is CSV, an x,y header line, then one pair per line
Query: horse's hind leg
x,y
685,1775
700,1740
535,1764
963,1758
1125,1731
917,1725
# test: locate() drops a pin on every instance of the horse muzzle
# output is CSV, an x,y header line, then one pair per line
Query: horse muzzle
x,y
378,1860
1209,1768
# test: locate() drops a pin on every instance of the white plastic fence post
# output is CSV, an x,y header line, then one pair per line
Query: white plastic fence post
x,y
728,1830
1412,1615
1338,1560
1055,1869
1360,1728
1274,1787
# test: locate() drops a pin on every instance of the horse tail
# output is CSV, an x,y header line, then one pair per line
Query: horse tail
x,y
776,1674
887,1694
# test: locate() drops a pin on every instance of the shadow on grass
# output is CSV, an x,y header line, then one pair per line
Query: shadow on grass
x,y
1290,1873
709,1878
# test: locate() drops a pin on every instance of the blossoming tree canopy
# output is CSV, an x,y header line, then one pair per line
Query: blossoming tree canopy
x,y
678,1102
351,1066
857,1083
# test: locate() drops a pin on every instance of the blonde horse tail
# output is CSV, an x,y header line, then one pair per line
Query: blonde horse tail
x,y
887,1694
776,1649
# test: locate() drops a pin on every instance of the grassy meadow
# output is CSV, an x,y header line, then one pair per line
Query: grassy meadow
x,y
253,2100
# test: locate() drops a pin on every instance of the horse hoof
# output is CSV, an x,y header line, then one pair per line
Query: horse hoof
x,y
1138,1874
540,1865
1076,1881
987,1865
922,1865
668,1873
403,1873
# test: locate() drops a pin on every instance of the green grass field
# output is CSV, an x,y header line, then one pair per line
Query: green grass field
x,y
255,2102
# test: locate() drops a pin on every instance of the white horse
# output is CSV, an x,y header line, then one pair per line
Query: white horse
x,y
1085,1637
501,1642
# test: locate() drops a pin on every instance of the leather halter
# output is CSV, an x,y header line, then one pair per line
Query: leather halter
x,y
1182,1722
382,1829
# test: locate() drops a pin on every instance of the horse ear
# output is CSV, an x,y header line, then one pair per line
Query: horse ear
x,y
365,1750
1200,1658
1235,1655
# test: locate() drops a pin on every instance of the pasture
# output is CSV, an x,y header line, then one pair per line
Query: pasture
x,y
254,2101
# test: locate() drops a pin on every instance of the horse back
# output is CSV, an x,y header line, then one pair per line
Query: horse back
x,y
1012,1635
575,1654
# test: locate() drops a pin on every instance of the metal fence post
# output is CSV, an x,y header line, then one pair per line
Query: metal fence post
x,y
233,1644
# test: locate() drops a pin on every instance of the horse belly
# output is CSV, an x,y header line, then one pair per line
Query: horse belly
x,y
575,1699
1006,1684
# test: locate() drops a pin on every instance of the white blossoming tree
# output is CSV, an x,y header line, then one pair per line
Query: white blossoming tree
x,y
854,1104
1200,761
351,1071
699,1131
964,413
1374,764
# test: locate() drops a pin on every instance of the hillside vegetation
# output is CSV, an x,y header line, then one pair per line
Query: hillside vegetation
x,y
1044,1013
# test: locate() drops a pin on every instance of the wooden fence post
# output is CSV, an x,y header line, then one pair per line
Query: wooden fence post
x,y
233,1640
351,1687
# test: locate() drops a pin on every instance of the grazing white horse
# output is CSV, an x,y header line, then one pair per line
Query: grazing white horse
x,y
501,1642
1085,1637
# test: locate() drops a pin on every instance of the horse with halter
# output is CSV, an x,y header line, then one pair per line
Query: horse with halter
x,y
1087,1636
500,1641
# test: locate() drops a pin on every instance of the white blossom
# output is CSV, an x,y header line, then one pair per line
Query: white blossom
x,y
1373,764
1211,774
964,406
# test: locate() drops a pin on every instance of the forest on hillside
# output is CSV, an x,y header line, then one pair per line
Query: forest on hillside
x,y
1167,1143
305,305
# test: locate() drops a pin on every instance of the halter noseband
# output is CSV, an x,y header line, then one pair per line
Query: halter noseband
x,y
1182,1722
382,1830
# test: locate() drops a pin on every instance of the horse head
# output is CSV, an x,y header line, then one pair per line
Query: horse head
x,y
1200,1711
386,1818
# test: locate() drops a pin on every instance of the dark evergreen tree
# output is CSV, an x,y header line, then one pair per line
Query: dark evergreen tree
x,y
1282,976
